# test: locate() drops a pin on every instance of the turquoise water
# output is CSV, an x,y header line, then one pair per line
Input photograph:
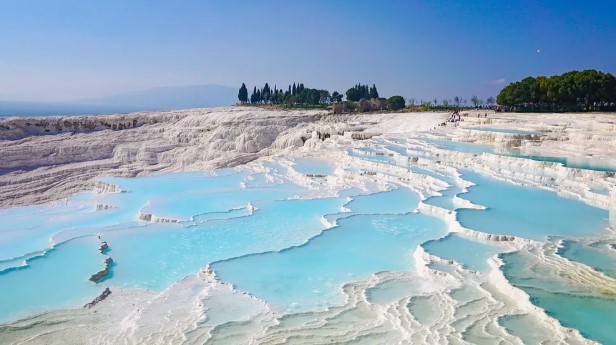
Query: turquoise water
x,y
148,255
460,146
571,162
157,255
592,315
446,199
527,212
473,254
597,255
29,229
397,201
313,166
195,202
591,164
57,280
283,252
310,275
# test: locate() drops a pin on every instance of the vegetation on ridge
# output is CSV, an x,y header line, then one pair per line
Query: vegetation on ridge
x,y
297,95
587,90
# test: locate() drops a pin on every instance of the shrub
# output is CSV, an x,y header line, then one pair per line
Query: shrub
x,y
395,103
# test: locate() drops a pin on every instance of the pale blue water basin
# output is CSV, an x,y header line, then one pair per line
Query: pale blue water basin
x,y
310,276
313,166
29,229
593,316
446,200
397,148
396,201
587,163
375,156
459,146
185,205
473,254
524,327
527,212
391,290
156,255
598,255
57,280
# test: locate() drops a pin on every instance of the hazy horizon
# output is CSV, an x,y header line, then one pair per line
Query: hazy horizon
x,y
160,98
77,50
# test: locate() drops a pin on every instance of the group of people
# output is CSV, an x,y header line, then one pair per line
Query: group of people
x,y
456,117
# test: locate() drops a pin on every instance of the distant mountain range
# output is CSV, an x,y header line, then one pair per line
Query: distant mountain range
x,y
160,98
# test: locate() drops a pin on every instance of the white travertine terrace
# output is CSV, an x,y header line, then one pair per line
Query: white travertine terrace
x,y
39,166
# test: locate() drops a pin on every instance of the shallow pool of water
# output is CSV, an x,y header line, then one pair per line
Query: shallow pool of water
x,y
592,315
598,255
570,162
310,276
313,166
59,279
473,253
527,212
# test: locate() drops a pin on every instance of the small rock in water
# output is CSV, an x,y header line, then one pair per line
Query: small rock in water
x,y
98,299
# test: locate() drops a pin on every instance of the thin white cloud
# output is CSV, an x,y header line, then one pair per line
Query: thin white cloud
x,y
500,81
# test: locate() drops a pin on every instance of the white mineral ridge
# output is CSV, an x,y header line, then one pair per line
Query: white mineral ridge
x,y
52,157
42,165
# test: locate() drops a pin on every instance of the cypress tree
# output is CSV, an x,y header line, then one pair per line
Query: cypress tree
x,y
265,93
243,94
373,92
253,97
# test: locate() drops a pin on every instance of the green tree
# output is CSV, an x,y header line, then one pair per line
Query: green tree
x,y
353,94
265,93
242,95
253,96
334,98
337,97
571,91
374,93
395,103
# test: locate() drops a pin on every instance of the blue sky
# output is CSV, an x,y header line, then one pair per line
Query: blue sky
x,y
64,50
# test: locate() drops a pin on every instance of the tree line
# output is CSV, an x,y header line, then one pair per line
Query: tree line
x,y
360,91
299,95
296,94
587,90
